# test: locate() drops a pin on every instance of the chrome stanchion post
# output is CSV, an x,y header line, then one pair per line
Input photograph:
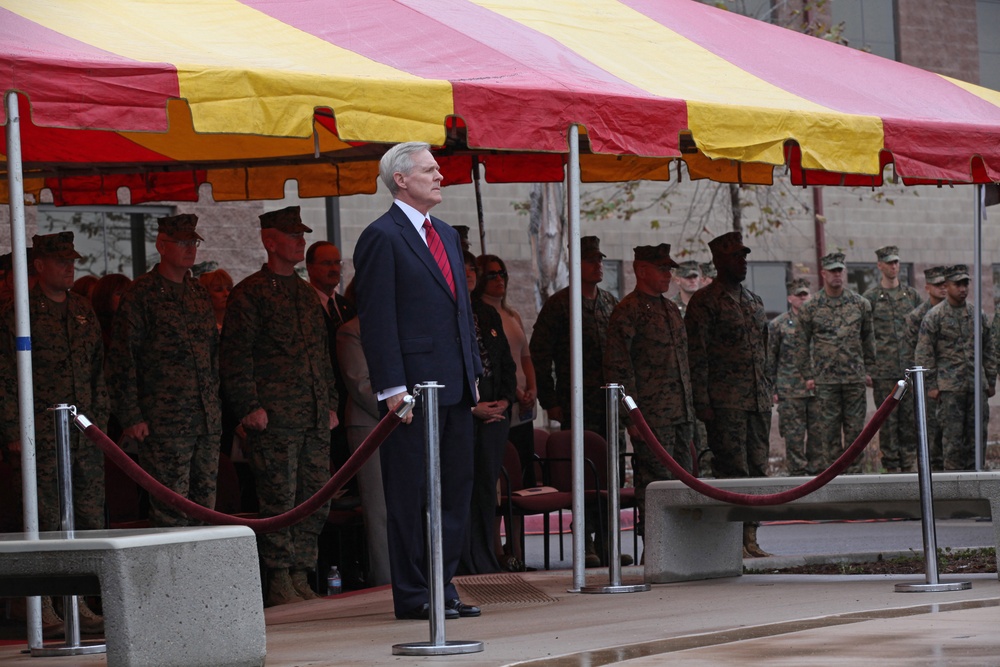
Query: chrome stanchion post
x,y
64,470
933,584
435,553
612,393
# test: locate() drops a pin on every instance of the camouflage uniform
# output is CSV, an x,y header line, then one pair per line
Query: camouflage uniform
x,y
550,349
164,371
838,344
727,343
897,437
796,404
646,352
912,331
946,348
67,360
275,355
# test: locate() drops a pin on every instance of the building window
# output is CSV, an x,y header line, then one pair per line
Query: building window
x,y
988,20
112,239
613,277
767,280
868,24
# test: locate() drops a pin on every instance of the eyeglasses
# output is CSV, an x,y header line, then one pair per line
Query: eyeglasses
x,y
193,243
493,275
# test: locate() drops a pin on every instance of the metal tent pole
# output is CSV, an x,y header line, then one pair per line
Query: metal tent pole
x,y
977,253
576,355
22,333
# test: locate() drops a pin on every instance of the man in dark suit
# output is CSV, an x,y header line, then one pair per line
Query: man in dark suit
x,y
417,326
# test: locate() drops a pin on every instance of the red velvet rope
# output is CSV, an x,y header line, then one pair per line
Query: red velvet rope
x,y
845,459
265,525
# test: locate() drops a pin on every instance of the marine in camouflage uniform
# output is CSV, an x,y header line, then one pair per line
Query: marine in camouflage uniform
x,y
688,282
838,345
796,403
163,372
67,360
646,352
727,344
946,348
550,345
277,374
934,283
891,302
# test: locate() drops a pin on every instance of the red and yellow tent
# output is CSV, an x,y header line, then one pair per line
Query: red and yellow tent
x,y
160,97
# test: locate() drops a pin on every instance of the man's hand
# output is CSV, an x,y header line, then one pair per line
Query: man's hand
x,y
334,420
933,394
810,384
775,399
555,413
526,398
256,420
393,402
138,432
868,380
490,411
991,391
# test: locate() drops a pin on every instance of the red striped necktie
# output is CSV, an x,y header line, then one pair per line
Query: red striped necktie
x,y
440,256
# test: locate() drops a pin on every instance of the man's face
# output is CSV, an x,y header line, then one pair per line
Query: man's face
x,y
325,268
889,269
653,278
958,291
796,300
592,270
54,273
938,292
833,277
290,248
177,254
471,277
731,265
691,283
421,188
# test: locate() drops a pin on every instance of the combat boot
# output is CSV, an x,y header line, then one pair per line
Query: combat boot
x,y
90,623
280,589
52,625
300,581
750,545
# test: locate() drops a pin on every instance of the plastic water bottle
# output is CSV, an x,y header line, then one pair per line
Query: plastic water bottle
x,y
333,583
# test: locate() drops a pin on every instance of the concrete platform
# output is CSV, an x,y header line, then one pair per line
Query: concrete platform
x,y
532,619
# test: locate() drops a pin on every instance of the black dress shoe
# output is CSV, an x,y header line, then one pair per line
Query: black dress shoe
x,y
460,608
423,613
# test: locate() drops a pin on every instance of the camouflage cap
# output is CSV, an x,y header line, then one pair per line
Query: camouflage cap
x,y
797,287
832,261
179,227
59,245
689,269
590,248
889,253
956,273
708,269
655,254
287,220
935,275
730,243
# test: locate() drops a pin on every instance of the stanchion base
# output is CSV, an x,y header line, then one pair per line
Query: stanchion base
x,y
448,648
85,648
630,588
934,588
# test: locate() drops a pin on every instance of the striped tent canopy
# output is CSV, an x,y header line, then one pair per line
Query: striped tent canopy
x,y
161,97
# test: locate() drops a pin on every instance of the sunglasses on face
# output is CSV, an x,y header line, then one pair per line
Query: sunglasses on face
x,y
493,275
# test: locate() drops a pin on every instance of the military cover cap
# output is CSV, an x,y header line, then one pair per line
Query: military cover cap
x,y
730,243
957,272
59,245
833,260
688,269
797,286
935,275
180,227
590,248
889,253
655,254
708,269
287,220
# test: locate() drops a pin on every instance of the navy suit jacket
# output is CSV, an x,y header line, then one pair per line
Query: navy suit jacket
x,y
412,328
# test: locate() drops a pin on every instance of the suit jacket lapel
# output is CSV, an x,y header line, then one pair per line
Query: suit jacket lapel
x,y
419,247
